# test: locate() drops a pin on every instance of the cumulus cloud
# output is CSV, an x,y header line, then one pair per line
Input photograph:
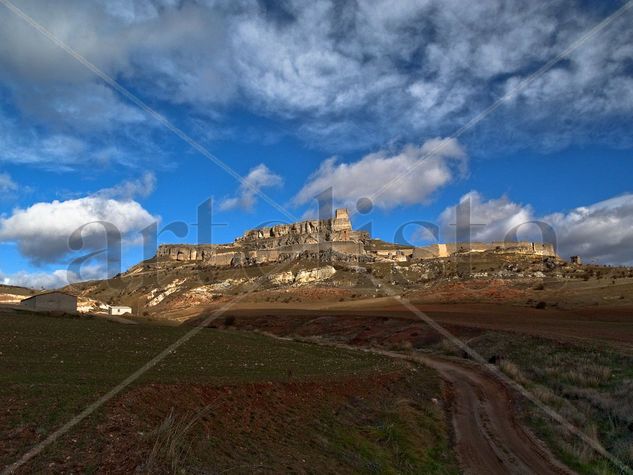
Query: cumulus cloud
x,y
491,219
42,231
257,179
407,177
601,231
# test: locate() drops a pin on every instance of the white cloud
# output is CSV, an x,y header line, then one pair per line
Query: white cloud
x,y
42,231
410,176
602,231
37,280
143,187
52,280
258,178
26,146
7,185
491,219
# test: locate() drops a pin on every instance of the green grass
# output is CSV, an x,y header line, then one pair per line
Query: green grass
x,y
60,364
402,439
52,368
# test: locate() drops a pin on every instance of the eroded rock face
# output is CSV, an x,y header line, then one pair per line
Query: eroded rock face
x,y
314,275
332,239
156,296
283,278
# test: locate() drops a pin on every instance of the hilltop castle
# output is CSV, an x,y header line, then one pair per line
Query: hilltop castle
x,y
335,236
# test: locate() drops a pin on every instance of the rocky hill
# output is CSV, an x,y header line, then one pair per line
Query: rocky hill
x,y
327,261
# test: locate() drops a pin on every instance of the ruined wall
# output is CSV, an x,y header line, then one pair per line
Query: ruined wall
x,y
445,250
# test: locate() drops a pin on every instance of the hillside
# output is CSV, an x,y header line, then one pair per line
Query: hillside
x,y
174,289
10,294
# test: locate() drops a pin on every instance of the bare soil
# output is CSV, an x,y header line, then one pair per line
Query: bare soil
x,y
387,319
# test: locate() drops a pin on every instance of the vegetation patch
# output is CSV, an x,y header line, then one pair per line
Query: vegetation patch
x,y
212,402
591,386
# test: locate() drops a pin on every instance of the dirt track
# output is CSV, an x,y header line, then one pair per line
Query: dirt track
x,y
488,438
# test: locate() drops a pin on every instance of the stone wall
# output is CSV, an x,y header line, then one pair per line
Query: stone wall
x,y
445,250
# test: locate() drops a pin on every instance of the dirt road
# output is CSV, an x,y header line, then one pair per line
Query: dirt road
x,y
488,437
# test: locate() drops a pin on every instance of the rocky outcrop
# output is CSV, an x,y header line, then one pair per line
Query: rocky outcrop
x,y
336,229
330,240
306,276
156,296
283,278
319,274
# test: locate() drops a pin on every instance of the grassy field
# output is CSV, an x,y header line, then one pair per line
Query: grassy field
x,y
591,386
52,368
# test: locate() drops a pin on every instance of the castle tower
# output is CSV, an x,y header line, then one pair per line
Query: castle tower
x,y
341,220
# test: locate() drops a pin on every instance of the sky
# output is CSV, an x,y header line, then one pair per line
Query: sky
x,y
523,110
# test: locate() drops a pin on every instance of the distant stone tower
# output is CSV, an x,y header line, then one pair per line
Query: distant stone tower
x,y
341,220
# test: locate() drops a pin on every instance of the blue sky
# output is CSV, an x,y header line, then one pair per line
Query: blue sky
x,y
298,97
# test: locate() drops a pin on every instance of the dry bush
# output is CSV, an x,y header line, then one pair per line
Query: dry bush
x,y
512,370
588,375
546,395
172,444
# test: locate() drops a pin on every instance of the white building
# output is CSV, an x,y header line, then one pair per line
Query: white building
x,y
119,310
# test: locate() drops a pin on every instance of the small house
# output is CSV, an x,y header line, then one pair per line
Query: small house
x,y
54,301
119,310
